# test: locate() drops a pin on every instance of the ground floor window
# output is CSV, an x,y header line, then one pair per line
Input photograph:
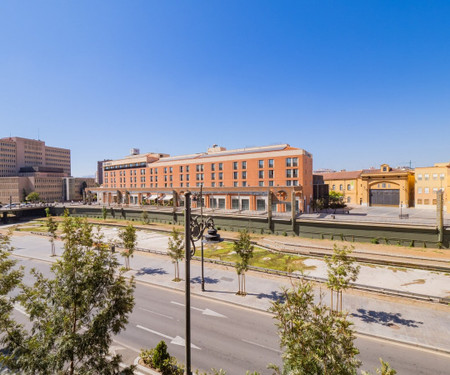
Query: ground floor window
x,y
235,204
221,203
260,204
245,203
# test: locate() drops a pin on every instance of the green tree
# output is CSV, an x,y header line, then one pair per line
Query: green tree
x,y
385,369
74,314
104,212
176,250
315,340
33,197
10,278
145,217
52,227
244,249
342,269
128,238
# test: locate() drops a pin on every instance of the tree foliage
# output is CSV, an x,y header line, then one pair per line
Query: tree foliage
x,y
244,249
385,369
336,199
10,278
128,238
176,250
104,212
342,269
315,340
74,314
33,197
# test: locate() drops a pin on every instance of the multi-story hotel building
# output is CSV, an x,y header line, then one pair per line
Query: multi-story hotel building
x,y
429,180
28,165
231,179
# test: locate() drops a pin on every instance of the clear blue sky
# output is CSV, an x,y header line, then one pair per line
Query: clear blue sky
x,y
357,83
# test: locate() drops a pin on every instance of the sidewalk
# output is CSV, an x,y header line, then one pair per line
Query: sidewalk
x,y
418,323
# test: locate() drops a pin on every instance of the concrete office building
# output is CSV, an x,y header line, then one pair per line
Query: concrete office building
x,y
231,179
28,165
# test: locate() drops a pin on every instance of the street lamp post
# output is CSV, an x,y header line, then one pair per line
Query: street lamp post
x,y
193,231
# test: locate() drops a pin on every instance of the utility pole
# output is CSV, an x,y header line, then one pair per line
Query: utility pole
x,y
187,292
440,215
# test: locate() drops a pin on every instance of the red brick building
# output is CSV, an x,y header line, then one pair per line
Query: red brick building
x,y
231,179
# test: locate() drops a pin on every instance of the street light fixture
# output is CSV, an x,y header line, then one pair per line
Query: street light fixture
x,y
193,231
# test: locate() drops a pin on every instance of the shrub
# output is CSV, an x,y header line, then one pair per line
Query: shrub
x,y
284,234
160,354
375,241
411,244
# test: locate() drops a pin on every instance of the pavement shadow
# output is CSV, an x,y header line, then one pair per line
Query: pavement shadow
x,y
273,295
208,280
151,271
384,318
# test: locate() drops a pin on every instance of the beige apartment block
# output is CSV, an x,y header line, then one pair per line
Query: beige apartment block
x,y
429,180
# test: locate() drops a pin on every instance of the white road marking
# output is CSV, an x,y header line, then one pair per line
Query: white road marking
x,y
173,340
20,309
261,346
204,311
154,312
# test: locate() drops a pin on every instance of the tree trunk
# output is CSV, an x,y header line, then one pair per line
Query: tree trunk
x,y
239,284
331,296
341,301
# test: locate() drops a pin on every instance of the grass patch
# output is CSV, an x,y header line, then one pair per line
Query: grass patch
x,y
261,258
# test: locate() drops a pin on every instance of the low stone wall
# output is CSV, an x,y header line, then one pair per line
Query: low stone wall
x,y
405,235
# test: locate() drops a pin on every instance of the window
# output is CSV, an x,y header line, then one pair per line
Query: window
x,y
419,176
288,173
341,187
260,204
151,170
213,184
170,178
244,175
427,190
181,169
213,176
384,169
270,183
261,174
220,175
235,204
271,173
220,166
270,163
170,169
261,183
427,176
181,177
333,187
187,178
244,165
245,204
295,162
441,176
288,162
235,175
383,185
220,183
419,190
187,168
260,163
419,201
165,169
235,184
349,187
295,173
199,167
288,183
165,178
295,183
426,201
156,170
244,183
435,176
235,165
221,203
435,190
213,167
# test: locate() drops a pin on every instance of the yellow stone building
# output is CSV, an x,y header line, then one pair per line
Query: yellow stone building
x,y
385,186
429,180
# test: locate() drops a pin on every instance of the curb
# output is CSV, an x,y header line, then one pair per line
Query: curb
x,y
237,304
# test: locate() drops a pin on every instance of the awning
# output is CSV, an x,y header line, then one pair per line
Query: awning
x,y
168,197
152,197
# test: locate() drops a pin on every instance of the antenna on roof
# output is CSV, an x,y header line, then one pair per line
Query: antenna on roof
x,y
38,134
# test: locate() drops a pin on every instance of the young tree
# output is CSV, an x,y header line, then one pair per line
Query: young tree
x,y
104,212
385,369
244,249
10,278
128,237
32,197
145,217
176,250
342,269
336,199
315,340
52,227
74,314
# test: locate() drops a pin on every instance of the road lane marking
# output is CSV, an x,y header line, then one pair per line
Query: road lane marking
x,y
173,340
154,312
20,309
261,346
203,311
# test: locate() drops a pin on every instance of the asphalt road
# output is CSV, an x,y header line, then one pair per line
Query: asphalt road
x,y
236,338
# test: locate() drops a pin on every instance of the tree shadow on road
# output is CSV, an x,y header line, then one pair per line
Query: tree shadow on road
x,y
208,280
273,295
151,271
384,318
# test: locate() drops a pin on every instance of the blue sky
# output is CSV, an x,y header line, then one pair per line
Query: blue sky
x,y
356,83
